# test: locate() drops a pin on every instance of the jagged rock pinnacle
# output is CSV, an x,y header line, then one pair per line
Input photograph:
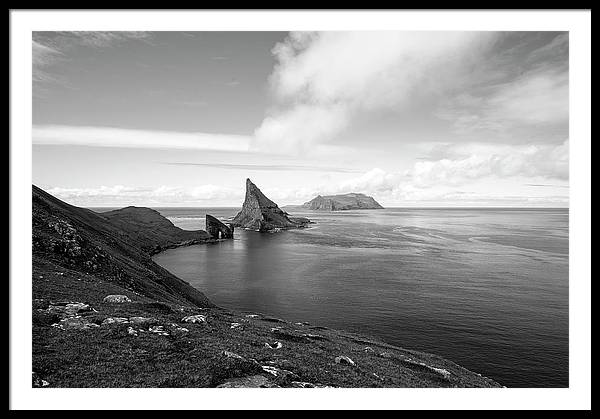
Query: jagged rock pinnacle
x,y
261,214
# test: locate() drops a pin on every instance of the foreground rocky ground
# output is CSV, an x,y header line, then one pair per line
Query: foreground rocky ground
x,y
104,315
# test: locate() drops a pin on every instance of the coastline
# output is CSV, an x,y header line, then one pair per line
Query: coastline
x,y
168,334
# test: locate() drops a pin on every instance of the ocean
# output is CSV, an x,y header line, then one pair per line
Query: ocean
x,y
485,288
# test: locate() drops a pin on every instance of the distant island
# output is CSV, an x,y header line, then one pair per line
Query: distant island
x,y
349,201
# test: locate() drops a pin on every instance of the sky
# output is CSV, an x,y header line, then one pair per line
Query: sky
x,y
411,118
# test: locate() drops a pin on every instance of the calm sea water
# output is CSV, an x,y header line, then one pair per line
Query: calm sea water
x,y
486,288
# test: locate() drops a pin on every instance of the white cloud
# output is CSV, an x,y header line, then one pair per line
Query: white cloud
x,y
475,161
322,79
429,182
300,129
438,179
131,138
534,100
119,195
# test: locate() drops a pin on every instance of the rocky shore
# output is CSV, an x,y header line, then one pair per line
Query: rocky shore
x,y
105,315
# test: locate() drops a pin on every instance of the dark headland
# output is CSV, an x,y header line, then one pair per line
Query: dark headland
x,y
105,315
349,201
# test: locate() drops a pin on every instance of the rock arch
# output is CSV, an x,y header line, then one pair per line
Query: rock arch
x,y
217,229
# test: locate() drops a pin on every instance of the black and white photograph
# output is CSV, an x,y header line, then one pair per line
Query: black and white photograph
x,y
293,213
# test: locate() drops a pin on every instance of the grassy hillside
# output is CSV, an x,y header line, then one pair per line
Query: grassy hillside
x,y
165,333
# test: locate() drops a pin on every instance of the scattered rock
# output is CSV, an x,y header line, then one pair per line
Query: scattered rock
x,y
159,330
68,309
283,376
235,325
271,370
276,345
254,381
142,321
115,320
117,299
36,381
76,323
441,371
302,384
344,360
132,331
197,318
177,328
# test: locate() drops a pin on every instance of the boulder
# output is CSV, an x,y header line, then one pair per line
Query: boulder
x,y
75,323
68,309
344,360
142,321
275,345
36,381
117,299
197,318
159,330
115,320
303,384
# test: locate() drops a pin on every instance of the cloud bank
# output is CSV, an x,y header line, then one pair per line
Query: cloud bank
x,y
429,181
322,80
131,138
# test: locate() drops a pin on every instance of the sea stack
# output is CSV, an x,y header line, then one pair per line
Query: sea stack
x,y
349,201
217,229
261,214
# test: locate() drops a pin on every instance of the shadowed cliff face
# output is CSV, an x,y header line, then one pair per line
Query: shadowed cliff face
x,y
115,246
218,230
261,214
